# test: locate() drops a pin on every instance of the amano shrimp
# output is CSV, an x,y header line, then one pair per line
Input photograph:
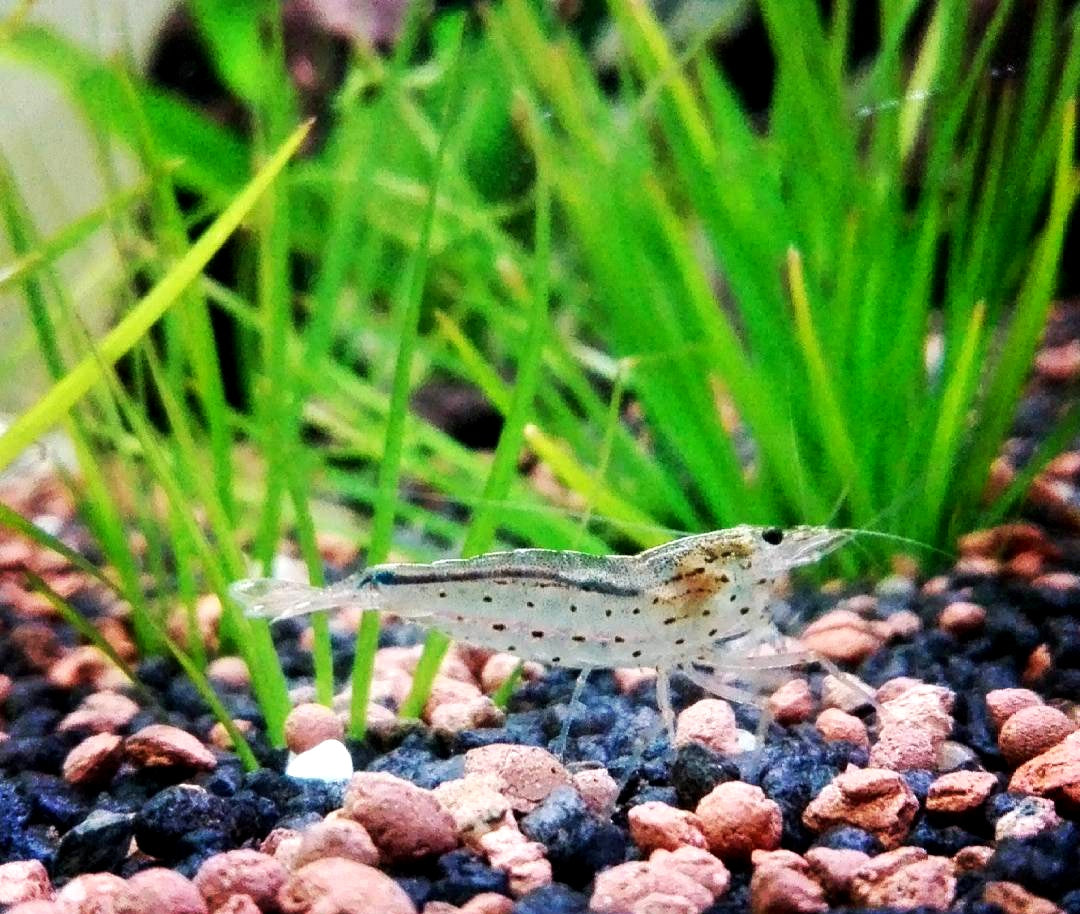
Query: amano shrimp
x,y
701,605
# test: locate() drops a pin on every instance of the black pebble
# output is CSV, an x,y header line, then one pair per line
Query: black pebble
x,y
463,874
1045,864
578,842
98,844
552,899
697,769
52,800
180,821
418,888
14,816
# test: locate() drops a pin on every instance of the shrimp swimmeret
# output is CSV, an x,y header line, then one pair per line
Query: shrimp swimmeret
x,y
700,605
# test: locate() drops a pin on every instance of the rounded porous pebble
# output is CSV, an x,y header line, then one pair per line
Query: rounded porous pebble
x,y
1004,703
405,821
843,636
656,825
1032,731
310,724
447,690
1057,769
161,745
710,722
701,866
1059,363
94,760
834,724
598,789
782,884
737,819
792,703
873,799
528,773
90,893
903,748
488,903
473,714
960,791
1013,898
905,878
231,672
336,886
962,618
239,904
523,861
834,868
101,712
219,736
973,857
640,888
476,804
922,706
336,837
23,880
240,872
159,891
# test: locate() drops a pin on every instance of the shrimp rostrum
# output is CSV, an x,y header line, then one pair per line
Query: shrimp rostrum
x,y
702,605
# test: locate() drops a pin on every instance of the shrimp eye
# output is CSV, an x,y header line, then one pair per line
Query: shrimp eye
x,y
773,536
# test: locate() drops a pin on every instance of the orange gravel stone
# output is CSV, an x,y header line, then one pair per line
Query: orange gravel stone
x,y
737,819
405,821
1057,769
161,745
877,800
1004,703
905,878
1013,898
962,619
159,891
710,722
698,864
974,857
523,861
843,636
528,773
240,872
656,825
336,886
835,869
903,748
339,837
101,712
598,789
782,883
1032,731
23,880
792,703
310,724
90,893
1059,363
960,791
834,724
94,760
640,888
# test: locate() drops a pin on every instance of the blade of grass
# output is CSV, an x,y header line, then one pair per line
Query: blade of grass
x,y
74,385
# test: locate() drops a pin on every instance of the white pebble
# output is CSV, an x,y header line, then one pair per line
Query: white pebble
x,y
328,761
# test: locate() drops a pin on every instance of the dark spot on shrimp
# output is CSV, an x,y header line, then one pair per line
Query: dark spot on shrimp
x,y
636,654
774,536
487,599
607,612
680,641
442,593
499,627
556,659
636,611
530,604
732,598
706,612
619,639
763,580
671,620
537,634
724,579
580,639
712,632
573,608
744,611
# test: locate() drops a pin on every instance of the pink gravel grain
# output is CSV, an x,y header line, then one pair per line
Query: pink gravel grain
x,y
528,773
1055,771
701,866
1032,731
834,724
905,878
159,891
710,722
737,819
310,724
792,703
903,748
960,791
598,789
488,903
241,872
656,825
336,886
835,868
523,861
94,760
640,888
962,618
162,745
90,893
874,799
842,635
782,884
338,837
1004,703
23,880
405,821
1013,898
239,904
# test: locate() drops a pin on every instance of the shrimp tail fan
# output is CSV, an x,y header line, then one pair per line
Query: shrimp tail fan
x,y
268,598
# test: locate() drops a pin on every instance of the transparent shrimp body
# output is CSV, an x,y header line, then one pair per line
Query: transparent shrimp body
x,y
697,602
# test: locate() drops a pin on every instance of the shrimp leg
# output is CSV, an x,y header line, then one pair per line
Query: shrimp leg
x,y
575,698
